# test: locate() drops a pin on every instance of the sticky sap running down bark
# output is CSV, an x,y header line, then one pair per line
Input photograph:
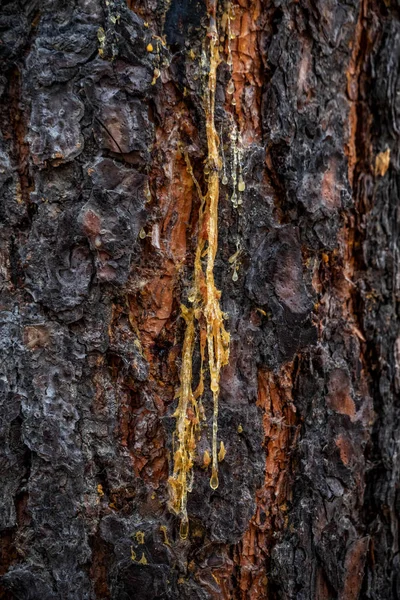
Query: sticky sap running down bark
x,y
185,427
206,310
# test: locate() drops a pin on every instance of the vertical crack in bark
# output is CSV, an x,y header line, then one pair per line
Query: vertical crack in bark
x,y
376,233
20,146
206,310
279,422
14,222
13,121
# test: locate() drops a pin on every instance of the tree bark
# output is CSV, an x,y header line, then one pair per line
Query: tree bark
x,y
173,172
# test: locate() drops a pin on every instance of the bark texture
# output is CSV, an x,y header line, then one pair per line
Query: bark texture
x,y
104,161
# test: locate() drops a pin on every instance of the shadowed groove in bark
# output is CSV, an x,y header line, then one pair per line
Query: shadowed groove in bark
x,y
375,191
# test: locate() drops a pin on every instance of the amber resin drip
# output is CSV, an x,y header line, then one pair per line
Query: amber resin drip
x,y
206,310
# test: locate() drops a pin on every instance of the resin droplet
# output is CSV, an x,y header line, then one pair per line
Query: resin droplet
x,y
241,185
222,452
206,458
147,193
231,87
224,180
149,48
235,276
140,536
214,483
214,386
184,528
156,75
142,234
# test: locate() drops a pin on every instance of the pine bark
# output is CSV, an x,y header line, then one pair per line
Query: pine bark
x,y
104,165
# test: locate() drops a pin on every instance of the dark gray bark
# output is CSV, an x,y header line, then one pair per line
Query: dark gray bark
x,y
103,107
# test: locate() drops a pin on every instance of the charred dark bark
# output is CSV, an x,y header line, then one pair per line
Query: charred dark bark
x,y
108,178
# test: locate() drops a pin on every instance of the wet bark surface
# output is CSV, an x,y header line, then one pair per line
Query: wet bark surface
x,y
103,166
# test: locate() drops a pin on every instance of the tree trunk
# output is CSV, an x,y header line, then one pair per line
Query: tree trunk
x,y
182,181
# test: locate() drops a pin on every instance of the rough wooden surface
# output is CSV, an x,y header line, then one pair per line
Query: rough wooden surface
x,y
102,106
